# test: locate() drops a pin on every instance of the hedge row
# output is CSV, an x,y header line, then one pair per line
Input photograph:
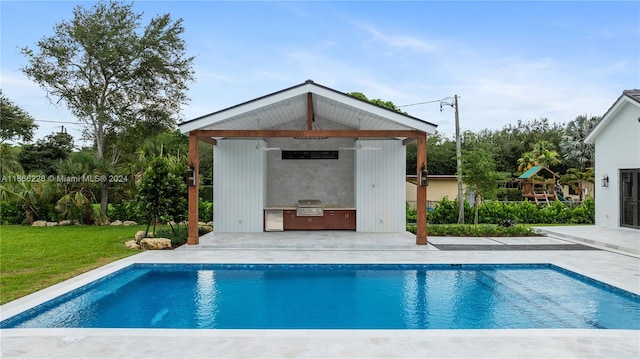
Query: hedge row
x,y
12,213
494,212
480,230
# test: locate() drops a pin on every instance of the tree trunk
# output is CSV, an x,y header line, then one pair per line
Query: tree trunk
x,y
100,142
477,207
104,196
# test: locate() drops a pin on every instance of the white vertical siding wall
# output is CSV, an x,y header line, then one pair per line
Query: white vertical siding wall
x,y
380,189
617,147
239,175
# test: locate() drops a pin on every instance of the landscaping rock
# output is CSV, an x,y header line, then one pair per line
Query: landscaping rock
x,y
39,224
155,243
52,224
208,229
132,244
68,222
116,223
129,223
139,236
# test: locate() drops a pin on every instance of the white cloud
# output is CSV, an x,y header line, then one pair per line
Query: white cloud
x,y
400,42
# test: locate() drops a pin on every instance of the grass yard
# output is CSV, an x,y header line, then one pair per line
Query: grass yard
x,y
33,258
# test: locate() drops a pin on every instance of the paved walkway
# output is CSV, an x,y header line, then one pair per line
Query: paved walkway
x,y
621,240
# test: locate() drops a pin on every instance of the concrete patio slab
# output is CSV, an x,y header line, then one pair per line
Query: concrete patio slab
x,y
621,240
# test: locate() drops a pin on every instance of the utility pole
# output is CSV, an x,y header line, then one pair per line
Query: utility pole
x,y
459,163
454,104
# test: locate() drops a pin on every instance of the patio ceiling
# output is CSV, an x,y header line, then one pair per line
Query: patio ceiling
x,y
288,106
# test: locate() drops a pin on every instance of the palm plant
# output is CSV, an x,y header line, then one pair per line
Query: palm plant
x,y
9,163
29,195
526,162
572,143
76,203
545,154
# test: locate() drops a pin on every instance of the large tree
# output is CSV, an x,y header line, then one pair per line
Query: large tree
x,y
512,141
111,72
15,124
43,156
441,152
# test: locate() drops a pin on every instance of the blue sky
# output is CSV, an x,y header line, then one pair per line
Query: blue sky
x,y
507,61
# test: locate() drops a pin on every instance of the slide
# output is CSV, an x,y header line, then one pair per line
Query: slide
x,y
561,198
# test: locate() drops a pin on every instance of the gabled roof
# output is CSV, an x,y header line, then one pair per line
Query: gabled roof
x,y
628,97
281,107
535,169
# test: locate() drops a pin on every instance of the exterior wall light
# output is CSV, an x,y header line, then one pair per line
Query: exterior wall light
x,y
423,176
191,175
605,181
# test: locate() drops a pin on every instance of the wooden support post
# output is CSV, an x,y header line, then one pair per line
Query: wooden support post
x,y
309,111
421,210
192,231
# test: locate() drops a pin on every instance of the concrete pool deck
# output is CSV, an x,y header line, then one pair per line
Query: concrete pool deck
x,y
613,266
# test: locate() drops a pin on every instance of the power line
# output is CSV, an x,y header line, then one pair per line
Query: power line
x,y
422,103
52,121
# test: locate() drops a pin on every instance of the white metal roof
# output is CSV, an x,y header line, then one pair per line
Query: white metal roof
x,y
290,104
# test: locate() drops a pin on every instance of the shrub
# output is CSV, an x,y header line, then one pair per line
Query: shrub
x,y
162,192
47,212
205,211
177,235
494,212
205,193
584,213
11,213
125,211
411,214
470,230
446,211
557,212
527,212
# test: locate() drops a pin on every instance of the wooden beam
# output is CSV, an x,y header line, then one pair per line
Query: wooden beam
x,y
309,111
192,230
307,133
409,140
421,201
209,140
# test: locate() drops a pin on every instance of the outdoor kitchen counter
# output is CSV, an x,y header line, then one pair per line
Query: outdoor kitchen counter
x,y
343,218
293,208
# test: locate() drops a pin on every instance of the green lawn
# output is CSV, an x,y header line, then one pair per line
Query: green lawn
x,y
33,258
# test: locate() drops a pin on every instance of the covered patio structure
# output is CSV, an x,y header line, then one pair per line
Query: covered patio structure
x,y
309,142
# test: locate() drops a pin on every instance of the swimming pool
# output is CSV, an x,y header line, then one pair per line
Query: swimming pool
x,y
344,296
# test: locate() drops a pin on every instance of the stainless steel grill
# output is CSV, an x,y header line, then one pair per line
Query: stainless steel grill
x,y
309,208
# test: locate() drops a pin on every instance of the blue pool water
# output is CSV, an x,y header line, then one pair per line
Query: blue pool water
x,y
339,297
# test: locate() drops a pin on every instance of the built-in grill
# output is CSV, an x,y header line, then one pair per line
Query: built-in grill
x,y
309,208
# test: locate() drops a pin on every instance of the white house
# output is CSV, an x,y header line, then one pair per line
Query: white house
x,y
308,157
617,159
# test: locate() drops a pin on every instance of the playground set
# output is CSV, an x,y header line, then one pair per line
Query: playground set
x,y
541,185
